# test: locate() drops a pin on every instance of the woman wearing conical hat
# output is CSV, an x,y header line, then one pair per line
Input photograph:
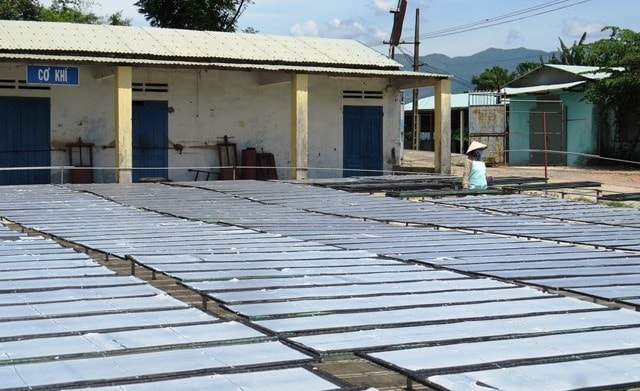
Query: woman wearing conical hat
x,y
475,171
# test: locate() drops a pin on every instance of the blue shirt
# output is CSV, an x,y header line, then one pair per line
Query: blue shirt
x,y
478,175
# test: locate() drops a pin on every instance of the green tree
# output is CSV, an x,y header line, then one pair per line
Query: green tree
x,y
569,55
250,30
116,19
20,10
574,55
212,15
619,94
492,79
525,67
72,11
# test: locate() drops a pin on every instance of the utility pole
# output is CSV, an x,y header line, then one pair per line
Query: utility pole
x,y
416,68
396,32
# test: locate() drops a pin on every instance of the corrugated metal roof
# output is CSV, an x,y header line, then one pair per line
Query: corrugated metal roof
x,y
540,89
332,71
580,70
185,45
458,101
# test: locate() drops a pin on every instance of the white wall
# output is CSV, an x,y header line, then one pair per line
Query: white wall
x,y
205,105
325,121
86,111
208,105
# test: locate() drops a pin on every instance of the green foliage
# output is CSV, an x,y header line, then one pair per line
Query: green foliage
x,y
69,11
250,30
621,49
492,79
570,55
619,94
72,11
574,55
525,67
212,15
116,19
20,10
59,5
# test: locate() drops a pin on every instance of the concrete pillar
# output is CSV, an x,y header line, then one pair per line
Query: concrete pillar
x,y
124,125
442,163
299,126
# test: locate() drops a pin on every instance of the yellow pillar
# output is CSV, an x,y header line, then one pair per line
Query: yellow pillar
x,y
299,126
124,125
442,137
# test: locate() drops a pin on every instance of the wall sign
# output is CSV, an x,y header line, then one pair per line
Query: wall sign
x,y
45,74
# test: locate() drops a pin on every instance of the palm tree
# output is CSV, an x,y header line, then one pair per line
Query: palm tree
x,y
574,55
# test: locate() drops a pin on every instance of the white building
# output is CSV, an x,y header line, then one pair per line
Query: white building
x,y
163,99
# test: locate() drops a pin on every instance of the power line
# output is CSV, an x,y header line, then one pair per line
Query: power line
x,y
525,13
495,18
514,16
506,18
409,59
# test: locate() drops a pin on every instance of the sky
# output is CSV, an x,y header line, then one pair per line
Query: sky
x,y
450,27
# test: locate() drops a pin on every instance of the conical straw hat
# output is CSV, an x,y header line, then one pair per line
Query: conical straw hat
x,y
476,145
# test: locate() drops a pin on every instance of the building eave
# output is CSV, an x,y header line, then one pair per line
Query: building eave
x,y
399,79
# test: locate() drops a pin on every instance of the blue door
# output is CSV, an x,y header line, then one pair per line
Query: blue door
x,y
362,140
150,139
25,128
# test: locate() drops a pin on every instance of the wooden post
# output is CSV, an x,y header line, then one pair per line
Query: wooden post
x,y
442,136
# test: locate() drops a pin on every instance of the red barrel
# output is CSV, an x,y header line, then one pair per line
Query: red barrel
x,y
249,163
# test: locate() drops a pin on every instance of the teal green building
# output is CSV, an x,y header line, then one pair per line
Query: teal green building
x,y
550,122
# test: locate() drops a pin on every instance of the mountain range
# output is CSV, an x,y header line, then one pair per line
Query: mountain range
x,y
463,68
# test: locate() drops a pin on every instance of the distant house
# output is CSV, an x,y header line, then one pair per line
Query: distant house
x,y
548,112
153,102
426,120
476,116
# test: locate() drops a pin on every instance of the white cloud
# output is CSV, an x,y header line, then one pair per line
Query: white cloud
x,y
307,29
575,27
338,28
380,35
514,38
347,28
384,5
